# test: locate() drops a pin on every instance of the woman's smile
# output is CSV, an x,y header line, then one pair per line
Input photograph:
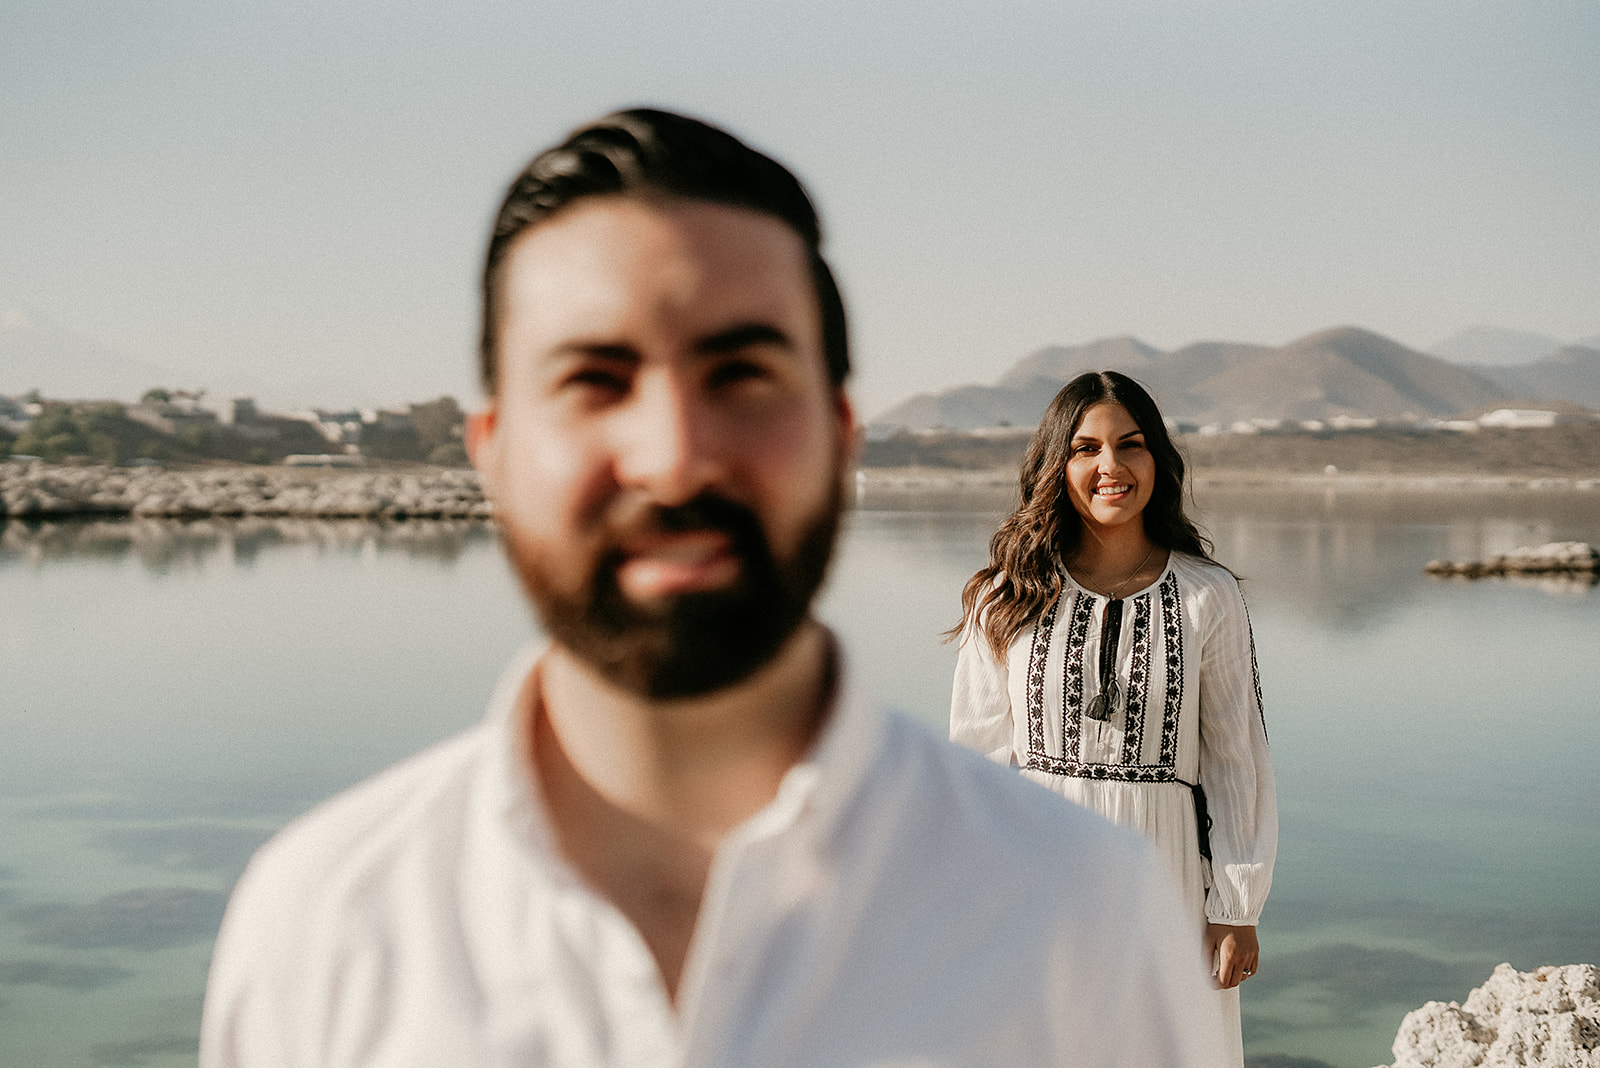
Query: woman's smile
x,y
1110,471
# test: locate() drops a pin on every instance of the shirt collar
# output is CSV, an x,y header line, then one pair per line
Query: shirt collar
x,y
817,790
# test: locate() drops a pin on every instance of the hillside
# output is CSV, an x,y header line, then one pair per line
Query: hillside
x,y
1494,346
1571,373
1570,451
1343,371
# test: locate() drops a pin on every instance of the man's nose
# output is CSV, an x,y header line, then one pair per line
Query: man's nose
x,y
669,443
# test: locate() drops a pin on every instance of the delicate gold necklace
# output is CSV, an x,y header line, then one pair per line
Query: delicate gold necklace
x,y
1112,596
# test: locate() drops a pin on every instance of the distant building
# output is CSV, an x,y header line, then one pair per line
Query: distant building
x,y
1352,422
14,417
389,420
240,411
1002,432
1519,418
337,427
187,402
181,409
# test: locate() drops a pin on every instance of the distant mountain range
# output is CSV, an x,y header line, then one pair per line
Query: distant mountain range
x,y
1494,346
1343,371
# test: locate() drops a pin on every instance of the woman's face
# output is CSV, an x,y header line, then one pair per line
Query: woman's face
x,y
1110,471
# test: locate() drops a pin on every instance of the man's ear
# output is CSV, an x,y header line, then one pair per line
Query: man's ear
x,y
848,430
483,445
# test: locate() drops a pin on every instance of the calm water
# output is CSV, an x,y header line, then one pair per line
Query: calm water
x,y
170,694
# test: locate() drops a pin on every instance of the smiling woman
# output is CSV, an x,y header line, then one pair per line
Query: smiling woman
x,y
1109,657
1110,477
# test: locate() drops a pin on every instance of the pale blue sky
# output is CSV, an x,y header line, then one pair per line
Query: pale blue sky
x,y
290,193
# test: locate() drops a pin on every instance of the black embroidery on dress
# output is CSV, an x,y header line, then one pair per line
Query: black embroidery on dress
x,y
1037,654
1172,638
1255,672
1138,683
1079,616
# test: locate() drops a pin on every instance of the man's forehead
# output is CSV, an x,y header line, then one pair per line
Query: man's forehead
x,y
605,255
639,219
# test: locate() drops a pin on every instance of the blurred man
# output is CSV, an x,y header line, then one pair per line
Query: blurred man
x,y
680,836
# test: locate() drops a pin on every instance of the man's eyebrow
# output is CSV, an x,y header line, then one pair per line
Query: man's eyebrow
x,y
595,350
743,336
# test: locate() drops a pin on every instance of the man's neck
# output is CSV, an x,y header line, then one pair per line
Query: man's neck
x,y
641,792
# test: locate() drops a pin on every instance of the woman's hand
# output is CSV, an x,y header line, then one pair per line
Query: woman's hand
x,y
1235,951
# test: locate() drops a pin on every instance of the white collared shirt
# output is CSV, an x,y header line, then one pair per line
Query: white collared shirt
x,y
899,902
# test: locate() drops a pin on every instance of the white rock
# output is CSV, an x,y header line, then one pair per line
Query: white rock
x,y
1549,1018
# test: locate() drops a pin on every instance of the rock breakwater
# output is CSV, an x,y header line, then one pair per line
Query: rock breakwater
x,y
41,491
1549,1018
1556,558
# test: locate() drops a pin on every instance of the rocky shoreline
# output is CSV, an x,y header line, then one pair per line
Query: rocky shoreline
x,y
31,490
1555,558
44,491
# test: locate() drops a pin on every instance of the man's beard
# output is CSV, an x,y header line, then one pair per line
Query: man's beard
x,y
690,644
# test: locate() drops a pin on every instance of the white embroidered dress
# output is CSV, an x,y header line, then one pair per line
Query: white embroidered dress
x,y
1190,711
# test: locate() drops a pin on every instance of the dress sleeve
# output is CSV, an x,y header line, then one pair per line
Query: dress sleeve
x,y
980,702
1236,767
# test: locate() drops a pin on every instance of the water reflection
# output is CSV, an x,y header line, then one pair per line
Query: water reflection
x,y
1360,542
1284,1060
1435,738
203,847
1344,978
1563,584
141,1050
165,545
146,919
1353,560
1528,936
59,974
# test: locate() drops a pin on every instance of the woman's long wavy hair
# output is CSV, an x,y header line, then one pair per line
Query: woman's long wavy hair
x,y
1026,554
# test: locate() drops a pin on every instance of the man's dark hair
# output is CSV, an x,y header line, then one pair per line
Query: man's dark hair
x,y
646,152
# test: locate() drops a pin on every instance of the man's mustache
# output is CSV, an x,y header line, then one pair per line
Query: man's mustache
x,y
640,518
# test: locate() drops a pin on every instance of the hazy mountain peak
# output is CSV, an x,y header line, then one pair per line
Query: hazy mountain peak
x,y
1571,373
1344,339
1060,363
1340,371
1495,346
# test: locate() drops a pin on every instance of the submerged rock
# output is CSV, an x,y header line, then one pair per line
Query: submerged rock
x,y
1549,1018
1558,557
